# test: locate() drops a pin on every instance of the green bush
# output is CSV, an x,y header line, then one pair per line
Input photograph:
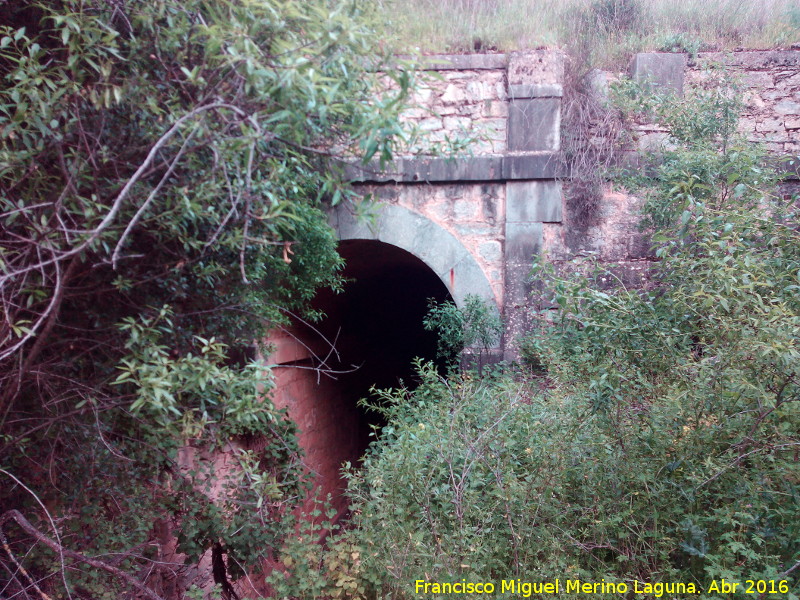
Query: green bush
x,y
447,479
477,326
164,167
663,444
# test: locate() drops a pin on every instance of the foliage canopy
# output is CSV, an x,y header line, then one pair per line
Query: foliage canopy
x,y
163,167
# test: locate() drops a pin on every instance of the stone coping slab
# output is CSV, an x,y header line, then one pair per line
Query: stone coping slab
x,y
752,59
659,71
541,90
460,62
542,165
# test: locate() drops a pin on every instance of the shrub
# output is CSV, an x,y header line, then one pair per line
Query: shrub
x,y
664,447
477,326
163,171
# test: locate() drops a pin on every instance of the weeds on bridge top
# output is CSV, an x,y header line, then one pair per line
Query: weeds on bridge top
x,y
625,26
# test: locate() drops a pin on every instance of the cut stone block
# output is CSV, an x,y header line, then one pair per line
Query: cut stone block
x,y
536,66
546,165
533,201
659,71
464,62
523,242
518,284
640,246
788,106
541,90
534,125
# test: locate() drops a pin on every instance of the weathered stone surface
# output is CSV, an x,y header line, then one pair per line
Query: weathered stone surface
x,y
534,125
476,230
475,101
655,141
754,60
423,238
491,251
769,125
480,90
788,107
543,165
758,79
598,82
453,94
659,71
464,209
640,246
430,124
537,66
495,109
523,242
533,201
474,213
457,123
541,90
518,288
484,168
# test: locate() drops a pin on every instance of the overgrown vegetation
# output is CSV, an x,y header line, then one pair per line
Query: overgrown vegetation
x,y
620,26
664,447
475,327
593,133
163,166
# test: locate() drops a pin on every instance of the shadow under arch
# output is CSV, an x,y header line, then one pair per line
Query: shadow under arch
x,y
371,333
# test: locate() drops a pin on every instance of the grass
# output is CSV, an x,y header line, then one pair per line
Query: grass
x,y
607,29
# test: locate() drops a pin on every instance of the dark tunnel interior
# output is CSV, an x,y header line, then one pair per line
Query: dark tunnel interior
x,y
376,327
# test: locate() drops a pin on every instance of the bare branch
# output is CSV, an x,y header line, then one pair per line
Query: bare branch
x,y
25,525
123,194
58,547
132,223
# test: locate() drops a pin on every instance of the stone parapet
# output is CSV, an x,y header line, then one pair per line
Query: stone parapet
x,y
659,71
494,103
464,62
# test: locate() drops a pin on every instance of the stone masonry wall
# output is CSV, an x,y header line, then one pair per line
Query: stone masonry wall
x,y
771,82
496,197
472,98
460,105
771,116
503,199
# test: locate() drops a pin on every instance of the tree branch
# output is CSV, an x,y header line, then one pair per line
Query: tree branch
x,y
25,525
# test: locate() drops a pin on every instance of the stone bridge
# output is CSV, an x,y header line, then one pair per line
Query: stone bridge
x,y
447,228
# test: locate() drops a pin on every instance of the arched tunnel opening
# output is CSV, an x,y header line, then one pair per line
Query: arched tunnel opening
x,y
377,320
370,335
